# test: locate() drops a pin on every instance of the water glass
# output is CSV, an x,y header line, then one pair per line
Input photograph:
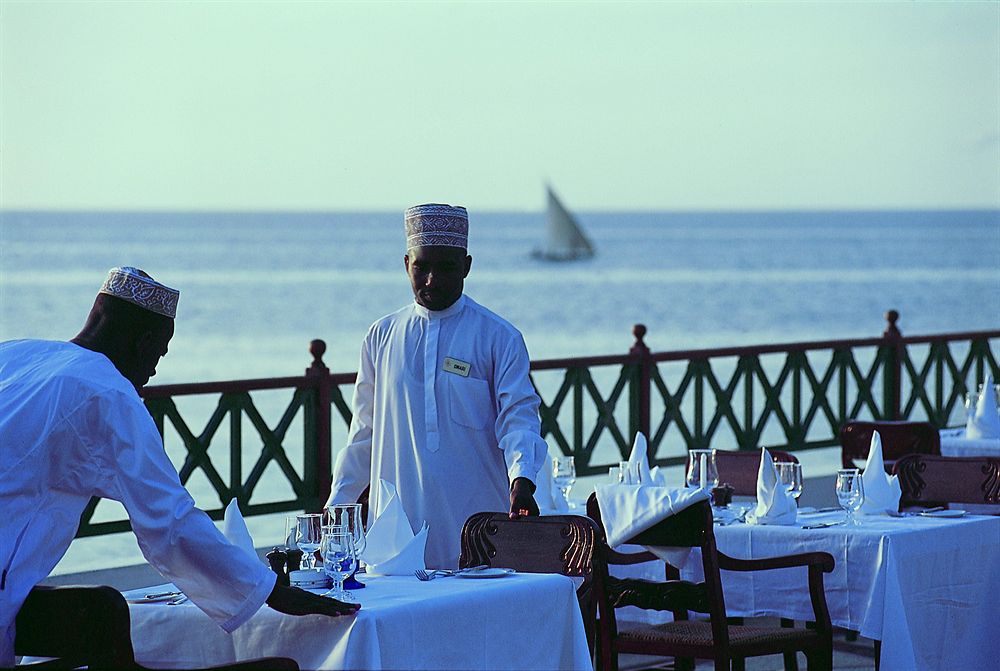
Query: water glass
x,y
850,493
308,536
347,516
564,475
790,475
615,475
623,468
340,558
701,470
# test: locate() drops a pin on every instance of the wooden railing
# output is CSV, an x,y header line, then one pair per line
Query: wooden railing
x,y
790,396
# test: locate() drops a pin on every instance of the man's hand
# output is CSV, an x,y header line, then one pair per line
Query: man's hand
x,y
295,601
522,501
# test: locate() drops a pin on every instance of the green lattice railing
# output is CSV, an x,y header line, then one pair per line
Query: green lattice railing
x,y
791,397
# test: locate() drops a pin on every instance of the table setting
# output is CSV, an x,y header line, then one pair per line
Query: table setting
x,y
981,434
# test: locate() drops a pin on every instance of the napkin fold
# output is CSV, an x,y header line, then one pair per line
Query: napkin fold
x,y
775,504
638,463
391,547
234,528
627,510
882,491
985,422
547,495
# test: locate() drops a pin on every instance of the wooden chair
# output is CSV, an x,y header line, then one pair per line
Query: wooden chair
x,y
90,626
565,544
898,438
738,468
933,480
728,645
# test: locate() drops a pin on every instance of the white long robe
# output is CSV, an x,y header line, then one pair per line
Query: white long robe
x,y
72,427
452,452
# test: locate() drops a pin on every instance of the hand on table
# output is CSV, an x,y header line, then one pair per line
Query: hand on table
x,y
295,601
522,501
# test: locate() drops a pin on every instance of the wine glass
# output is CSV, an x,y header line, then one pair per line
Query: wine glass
x,y
850,493
340,558
790,475
308,535
564,475
702,472
347,516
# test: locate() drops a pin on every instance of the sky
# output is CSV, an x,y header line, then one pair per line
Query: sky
x,y
621,106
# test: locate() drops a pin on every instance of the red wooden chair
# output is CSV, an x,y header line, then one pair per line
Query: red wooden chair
x,y
898,438
738,468
715,638
933,480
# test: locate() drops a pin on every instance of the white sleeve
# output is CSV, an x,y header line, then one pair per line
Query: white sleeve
x,y
352,472
518,427
179,540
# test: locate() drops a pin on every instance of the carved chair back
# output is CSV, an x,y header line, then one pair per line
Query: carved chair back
x,y
934,480
898,438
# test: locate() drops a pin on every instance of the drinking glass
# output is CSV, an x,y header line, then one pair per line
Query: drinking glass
x,y
340,558
850,493
308,535
701,471
790,475
564,475
615,475
347,516
626,473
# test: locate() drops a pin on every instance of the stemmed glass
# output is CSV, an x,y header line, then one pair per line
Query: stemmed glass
x,y
308,535
347,516
340,558
564,475
790,475
850,493
702,472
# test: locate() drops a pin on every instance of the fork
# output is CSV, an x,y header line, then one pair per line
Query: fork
x,y
425,575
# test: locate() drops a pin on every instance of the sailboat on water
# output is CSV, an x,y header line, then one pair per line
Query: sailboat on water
x,y
564,240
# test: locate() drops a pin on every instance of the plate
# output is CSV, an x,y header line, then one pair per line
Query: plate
x,y
943,513
487,573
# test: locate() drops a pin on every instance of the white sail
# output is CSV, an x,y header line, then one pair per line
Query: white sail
x,y
564,237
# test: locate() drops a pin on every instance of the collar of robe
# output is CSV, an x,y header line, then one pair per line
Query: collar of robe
x,y
452,309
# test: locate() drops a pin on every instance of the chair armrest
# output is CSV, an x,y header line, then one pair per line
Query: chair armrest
x,y
824,560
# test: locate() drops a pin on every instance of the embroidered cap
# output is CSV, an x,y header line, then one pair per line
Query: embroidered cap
x,y
434,224
135,286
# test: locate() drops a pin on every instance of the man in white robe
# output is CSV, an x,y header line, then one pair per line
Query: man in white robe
x,y
443,406
72,426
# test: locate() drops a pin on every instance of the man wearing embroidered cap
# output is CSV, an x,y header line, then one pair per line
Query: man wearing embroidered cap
x,y
443,406
72,426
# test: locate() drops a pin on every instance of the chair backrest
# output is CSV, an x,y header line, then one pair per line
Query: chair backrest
x,y
738,468
898,438
936,480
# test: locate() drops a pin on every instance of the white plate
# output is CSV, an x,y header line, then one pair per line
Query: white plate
x,y
943,513
487,573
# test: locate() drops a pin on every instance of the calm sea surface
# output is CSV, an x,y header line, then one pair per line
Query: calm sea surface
x,y
256,288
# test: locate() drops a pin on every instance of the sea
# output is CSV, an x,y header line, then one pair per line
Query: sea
x,y
257,287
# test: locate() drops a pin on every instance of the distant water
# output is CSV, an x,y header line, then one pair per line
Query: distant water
x,y
256,288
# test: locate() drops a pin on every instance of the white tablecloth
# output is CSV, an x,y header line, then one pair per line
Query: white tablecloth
x,y
923,586
523,621
955,444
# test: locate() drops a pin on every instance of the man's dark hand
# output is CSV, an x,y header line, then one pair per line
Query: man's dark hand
x,y
522,500
295,601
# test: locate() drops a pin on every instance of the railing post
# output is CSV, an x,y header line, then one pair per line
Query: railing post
x,y
639,412
892,378
318,477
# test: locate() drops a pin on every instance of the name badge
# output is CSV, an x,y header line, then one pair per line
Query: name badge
x,y
457,367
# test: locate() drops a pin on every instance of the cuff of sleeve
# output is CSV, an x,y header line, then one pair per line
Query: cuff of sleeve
x,y
253,602
525,452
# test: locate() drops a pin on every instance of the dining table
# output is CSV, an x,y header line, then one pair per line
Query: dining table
x,y
516,621
954,443
923,586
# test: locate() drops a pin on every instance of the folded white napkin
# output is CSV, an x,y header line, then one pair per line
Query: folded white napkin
x,y
627,510
638,463
775,504
234,528
547,495
985,422
882,491
391,548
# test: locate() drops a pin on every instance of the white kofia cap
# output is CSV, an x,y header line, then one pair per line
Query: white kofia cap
x,y
135,286
436,225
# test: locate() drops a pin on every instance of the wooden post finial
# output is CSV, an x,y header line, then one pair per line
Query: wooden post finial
x,y
317,348
891,331
639,347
